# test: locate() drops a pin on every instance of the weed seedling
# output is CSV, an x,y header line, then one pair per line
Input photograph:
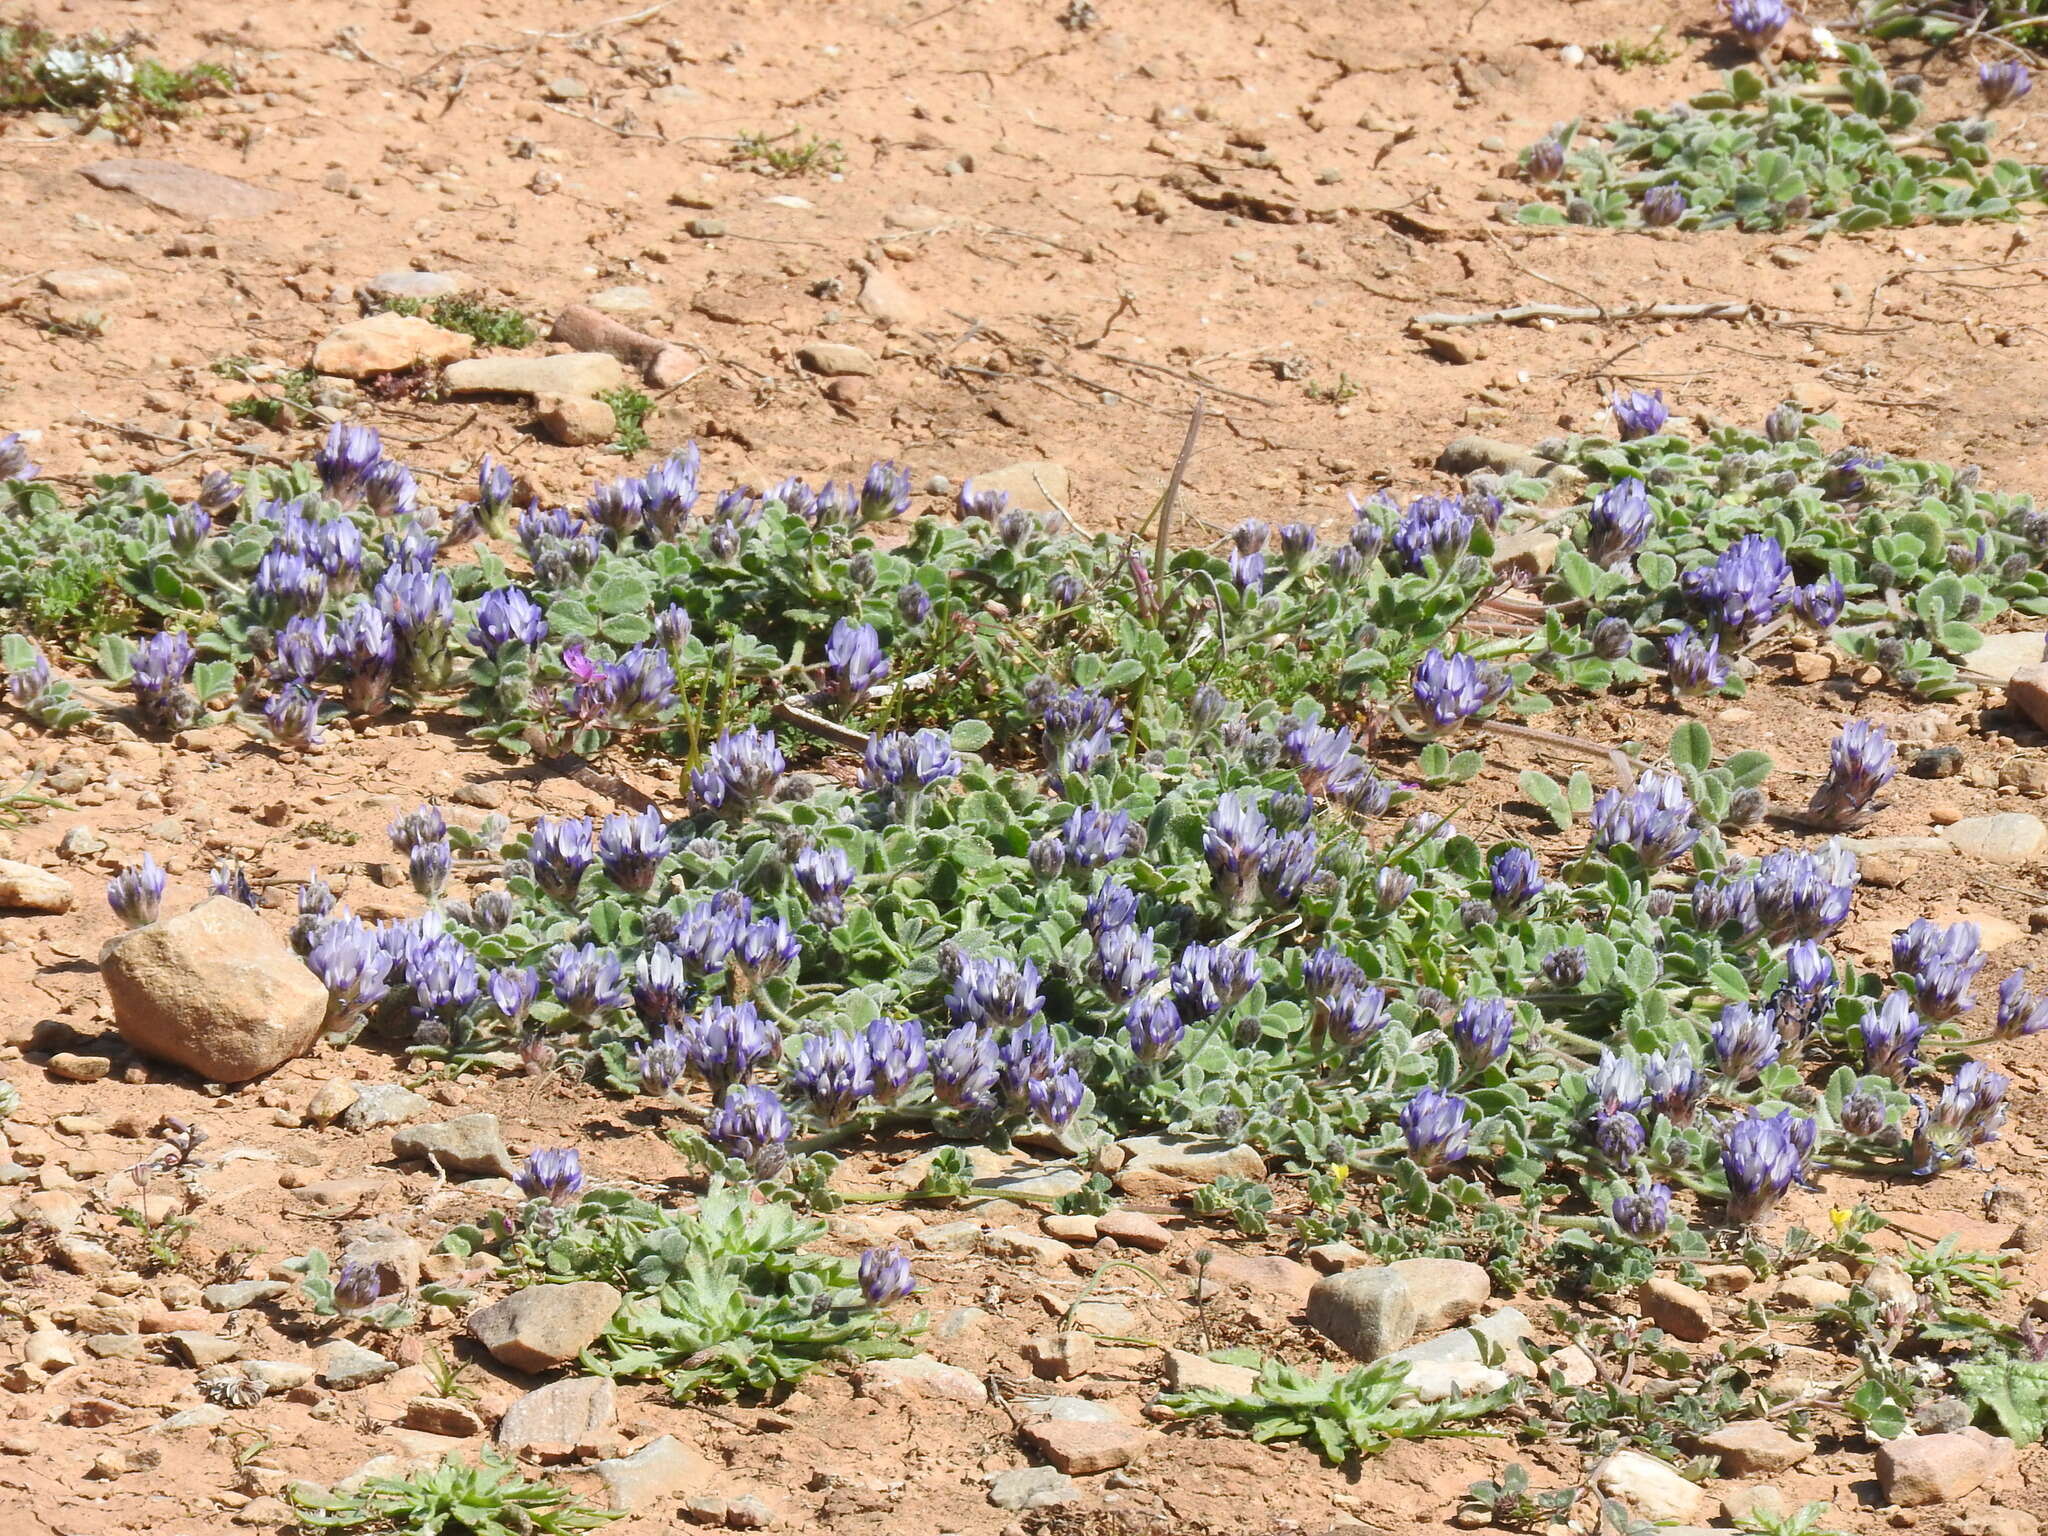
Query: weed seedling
x,y
788,154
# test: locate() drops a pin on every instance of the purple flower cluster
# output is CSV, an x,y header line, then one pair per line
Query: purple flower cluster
x,y
1077,731
1434,530
1938,965
1970,1112
136,894
1861,762
1762,1157
1638,413
1654,820
1747,587
1758,23
1450,690
898,766
1434,1124
2020,1012
1620,520
1803,894
1694,665
1891,1035
740,771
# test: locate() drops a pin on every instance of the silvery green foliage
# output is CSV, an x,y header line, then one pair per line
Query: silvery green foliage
x,y
722,1299
10,1098
1845,155
1924,554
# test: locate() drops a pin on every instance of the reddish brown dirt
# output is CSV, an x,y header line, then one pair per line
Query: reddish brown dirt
x,y
1048,197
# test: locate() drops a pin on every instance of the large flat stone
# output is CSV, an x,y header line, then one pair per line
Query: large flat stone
x,y
185,190
572,373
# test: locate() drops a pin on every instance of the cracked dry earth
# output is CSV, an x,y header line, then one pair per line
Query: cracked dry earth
x,y
1043,241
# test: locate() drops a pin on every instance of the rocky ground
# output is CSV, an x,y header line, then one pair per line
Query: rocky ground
x,y
1032,245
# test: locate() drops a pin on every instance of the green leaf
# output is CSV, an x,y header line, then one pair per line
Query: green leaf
x,y
1728,981
1547,794
116,658
970,735
1692,747
2014,1393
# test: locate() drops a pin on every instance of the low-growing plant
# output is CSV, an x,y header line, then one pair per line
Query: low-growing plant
x,y
488,325
791,153
487,1497
100,76
1625,54
1508,1504
719,1300
1848,154
1343,1414
354,1292
630,410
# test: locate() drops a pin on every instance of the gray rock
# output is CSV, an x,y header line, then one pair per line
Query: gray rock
x,y
2000,656
1002,1173
1445,1291
345,1366
1678,1309
1065,1410
277,1375
545,1326
920,1376
1648,1488
626,299
1191,1373
203,1349
1474,455
206,1416
396,1257
567,88
1033,486
571,373
574,421
380,1104
81,842
659,1468
184,190
413,285
2010,837
387,342
1163,1165
213,989
25,888
1914,1470
560,1416
247,1293
1365,1312
1023,1488
1506,1330
837,359
90,285
1755,1447
950,1237
470,1144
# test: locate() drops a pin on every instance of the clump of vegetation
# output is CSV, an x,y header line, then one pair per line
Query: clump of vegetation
x,y
719,1300
488,325
1848,154
2023,22
289,401
789,154
99,77
1625,54
630,410
1343,1414
485,1498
